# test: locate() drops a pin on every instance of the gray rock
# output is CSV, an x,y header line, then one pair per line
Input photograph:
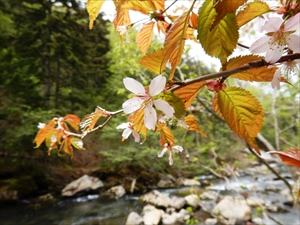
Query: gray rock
x,y
233,209
187,182
211,221
177,202
183,215
166,181
115,192
253,202
9,195
271,188
192,200
81,184
134,219
209,195
151,215
156,198
169,219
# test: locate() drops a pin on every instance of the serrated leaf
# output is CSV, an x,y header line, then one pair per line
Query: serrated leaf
x,y
262,74
175,40
222,40
188,93
190,34
166,136
194,20
242,112
73,121
176,102
224,7
144,37
122,16
93,8
290,156
191,121
252,10
77,143
145,7
53,139
43,133
138,122
155,61
90,120
66,146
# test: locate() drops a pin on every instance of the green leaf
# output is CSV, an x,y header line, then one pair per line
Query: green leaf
x,y
176,102
222,40
242,112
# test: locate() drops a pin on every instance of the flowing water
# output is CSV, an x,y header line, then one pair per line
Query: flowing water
x,y
92,210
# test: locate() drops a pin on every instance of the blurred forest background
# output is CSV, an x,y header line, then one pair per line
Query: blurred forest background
x,y
51,65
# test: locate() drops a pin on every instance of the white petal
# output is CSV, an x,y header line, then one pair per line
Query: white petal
x,y
132,105
157,85
274,53
292,23
260,45
126,133
177,148
123,126
293,42
134,86
275,81
165,107
273,24
136,136
170,159
162,152
150,117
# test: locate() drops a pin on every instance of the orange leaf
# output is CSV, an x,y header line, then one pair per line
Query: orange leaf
x,y
290,156
190,34
166,136
138,122
43,133
242,112
66,146
144,6
191,121
122,17
144,37
262,74
188,93
93,8
72,117
90,120
194,20
251,11
155,61
226,7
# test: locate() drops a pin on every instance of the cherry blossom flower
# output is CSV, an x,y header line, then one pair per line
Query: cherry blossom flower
x,y
287,69
279,35
145,96
128,129
169,149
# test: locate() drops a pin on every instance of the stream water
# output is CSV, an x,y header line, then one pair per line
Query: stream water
x,y
92,210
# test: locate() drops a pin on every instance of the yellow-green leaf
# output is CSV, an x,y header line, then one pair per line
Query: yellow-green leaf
x,y
77,143
189,93
242,112
252,10
176,102
93,8
262,74
191,121
222,40
144,6
144,37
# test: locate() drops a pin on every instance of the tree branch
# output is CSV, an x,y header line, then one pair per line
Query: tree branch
x,y
227,73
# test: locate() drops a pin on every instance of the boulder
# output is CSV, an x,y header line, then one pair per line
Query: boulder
x,y
253,202
151,215
211,221
183,215
134,219
9,195
84,183
192,200
169,219
115,192
166,181
187,182
233,209
156,198
177,202
209,195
